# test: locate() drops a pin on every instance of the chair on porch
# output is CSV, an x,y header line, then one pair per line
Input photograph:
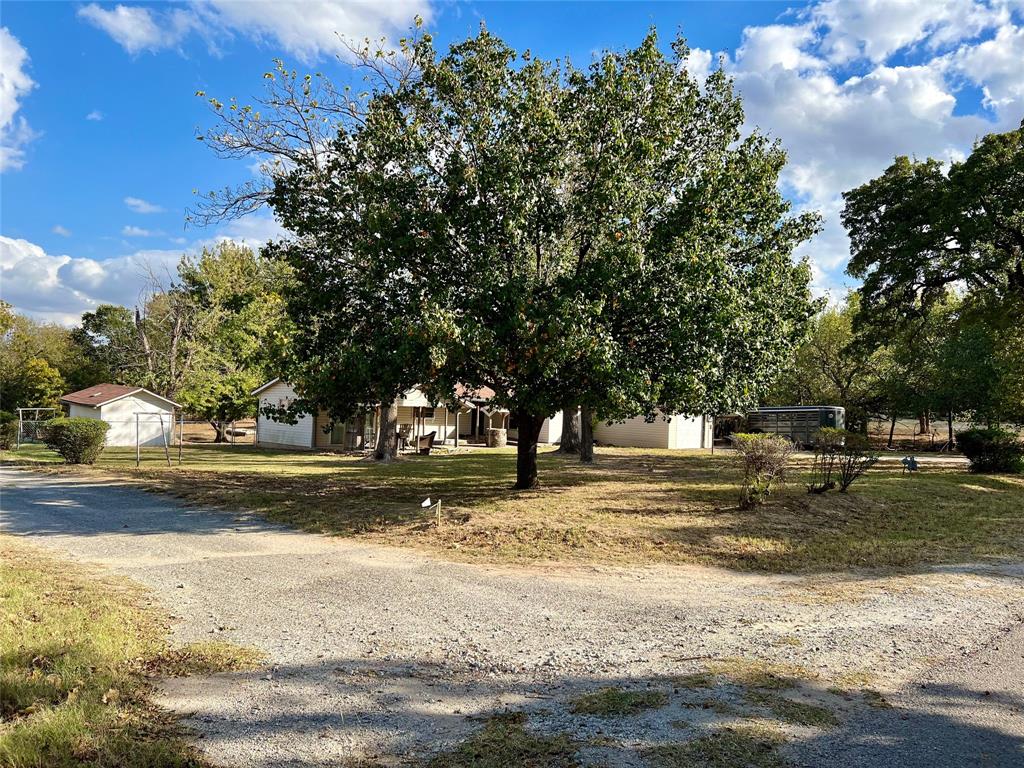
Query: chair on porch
x,y
424,443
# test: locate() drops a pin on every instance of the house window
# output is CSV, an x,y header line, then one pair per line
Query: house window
x,y
427,413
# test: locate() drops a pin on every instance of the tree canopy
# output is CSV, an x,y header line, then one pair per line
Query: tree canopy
x,y
239,330
916,231
605,237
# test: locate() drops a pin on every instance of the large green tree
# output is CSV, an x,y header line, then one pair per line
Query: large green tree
x,y
604,237
917,231
240,328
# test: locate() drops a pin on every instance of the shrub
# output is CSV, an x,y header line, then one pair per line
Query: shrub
x,y
854,458
827,442
765,461
992,450
839,454
79,441
8,430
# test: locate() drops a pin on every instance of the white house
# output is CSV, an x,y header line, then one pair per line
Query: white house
x,y
130,411
469,420
416,416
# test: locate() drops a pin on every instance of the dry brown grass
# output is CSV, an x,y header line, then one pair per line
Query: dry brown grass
x,y
631,506
79,649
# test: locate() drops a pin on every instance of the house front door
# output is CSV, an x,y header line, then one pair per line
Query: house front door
x,y
338,433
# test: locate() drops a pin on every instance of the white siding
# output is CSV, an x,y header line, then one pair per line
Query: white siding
x,y
686,432
270,432
436,424
634,433
551,429
679,433
120,414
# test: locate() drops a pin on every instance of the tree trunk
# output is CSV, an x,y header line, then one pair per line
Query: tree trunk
x,y
586,435
949,424
570,442
892,429
526,450
221,428
924,425
387,437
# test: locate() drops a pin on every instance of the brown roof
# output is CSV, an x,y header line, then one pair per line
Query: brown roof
x,y
480,393
101,394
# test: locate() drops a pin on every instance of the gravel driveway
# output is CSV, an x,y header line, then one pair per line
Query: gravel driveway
x,y
389,654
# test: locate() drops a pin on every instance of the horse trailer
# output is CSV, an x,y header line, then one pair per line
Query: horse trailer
x,y
797,423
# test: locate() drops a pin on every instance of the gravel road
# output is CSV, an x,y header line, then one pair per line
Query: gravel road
x,y
388,654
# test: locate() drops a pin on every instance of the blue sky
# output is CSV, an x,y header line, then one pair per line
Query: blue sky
x,y
99,116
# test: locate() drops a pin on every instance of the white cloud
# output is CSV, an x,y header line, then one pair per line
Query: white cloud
x,y
997,66
61,230
139,205
136,28
95,115
876,29
842,129
777,46
132,231
60,288
307,29
252,230
15,84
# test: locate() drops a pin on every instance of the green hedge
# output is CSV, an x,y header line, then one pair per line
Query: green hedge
x,y
992,450
79,441
8,430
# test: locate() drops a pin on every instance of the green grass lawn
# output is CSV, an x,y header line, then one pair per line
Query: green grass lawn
x,y
78,653
631,506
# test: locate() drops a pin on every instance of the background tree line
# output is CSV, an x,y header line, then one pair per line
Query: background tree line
x,y
206,340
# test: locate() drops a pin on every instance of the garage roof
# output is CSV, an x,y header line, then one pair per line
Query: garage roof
x,y
101,394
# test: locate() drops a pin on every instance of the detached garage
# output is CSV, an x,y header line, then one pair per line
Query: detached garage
x,y
126,409
679,432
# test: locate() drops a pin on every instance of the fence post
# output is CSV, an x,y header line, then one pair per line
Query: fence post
x,y
163,434
181,434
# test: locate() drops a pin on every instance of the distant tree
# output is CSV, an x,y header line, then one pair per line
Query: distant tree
x,y
38,361
830,368
110,339
604,238
151,346
35,384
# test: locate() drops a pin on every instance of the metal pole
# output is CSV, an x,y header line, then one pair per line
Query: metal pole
x,y
138,450
163,434
21,419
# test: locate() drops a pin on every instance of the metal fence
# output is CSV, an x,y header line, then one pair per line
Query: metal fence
x,y
30,421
